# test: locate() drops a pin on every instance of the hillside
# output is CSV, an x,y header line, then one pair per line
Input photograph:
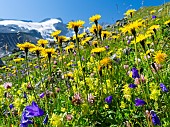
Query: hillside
x,y
113,76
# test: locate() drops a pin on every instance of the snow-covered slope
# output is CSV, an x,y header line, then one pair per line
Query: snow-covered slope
x,y
45,27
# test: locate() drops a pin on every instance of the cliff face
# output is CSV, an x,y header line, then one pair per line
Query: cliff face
x,y
9,40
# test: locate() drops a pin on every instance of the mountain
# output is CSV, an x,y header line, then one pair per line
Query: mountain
x,y
18,31
45,27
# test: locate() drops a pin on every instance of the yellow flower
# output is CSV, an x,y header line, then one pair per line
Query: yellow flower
x,y
154,28
149,33
31,98
48,52
155,91
167,22
69,48
79,36
159,57
18,59
127,92
115,36
140,38
37,50
61,39
132,27
130,12
105,34
94,29
63,109
86,40
152,11
26,46
69,75
56,33
75,25
95,18
56,120
18,103
98,50
42,42
106,61
95,43
106,106
123,105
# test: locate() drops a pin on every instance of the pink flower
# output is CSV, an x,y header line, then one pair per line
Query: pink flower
x,y
137,81
55,62
7,85
77,100
91,98
126,67
69,117
143,78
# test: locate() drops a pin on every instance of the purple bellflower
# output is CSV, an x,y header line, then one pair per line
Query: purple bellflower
x,y
30,112
163,87
45,119
132,86
155,119
109,99
139,102
135,73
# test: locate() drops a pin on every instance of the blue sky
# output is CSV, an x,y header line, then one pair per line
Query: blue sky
x,y
37,10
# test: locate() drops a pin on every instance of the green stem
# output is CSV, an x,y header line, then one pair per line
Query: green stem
x,y
136,55
81,61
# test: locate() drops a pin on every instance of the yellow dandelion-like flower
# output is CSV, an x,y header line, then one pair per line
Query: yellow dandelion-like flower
x,y
154,28
93,29
132,27
167,22
130,12
69,47
18,60
159,57
140,38
75,25
105,34
56,33
82,35
106,61
149,33
48,52
37,50
26,46
79,36
86,40
95,43
98,50
115,36
42,42
152,11
110,52
95,18
61,39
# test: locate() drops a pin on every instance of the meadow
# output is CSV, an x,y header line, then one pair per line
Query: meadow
x,y
110,77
